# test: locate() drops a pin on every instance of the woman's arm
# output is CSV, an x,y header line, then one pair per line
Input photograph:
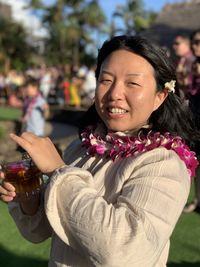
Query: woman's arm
x,y
30,217
34,226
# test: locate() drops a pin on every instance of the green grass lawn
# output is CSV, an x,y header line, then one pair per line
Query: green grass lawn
x,y
8,113
185,240
17,252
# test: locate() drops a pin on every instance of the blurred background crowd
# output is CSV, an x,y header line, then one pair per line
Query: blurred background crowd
x,y
60,85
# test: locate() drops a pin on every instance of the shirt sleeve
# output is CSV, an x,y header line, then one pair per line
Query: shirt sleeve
x,y
134,230
34,228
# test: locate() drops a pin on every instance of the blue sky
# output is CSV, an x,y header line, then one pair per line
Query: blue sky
x,y
156,5
109,5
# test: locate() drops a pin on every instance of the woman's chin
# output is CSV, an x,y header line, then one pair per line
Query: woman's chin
x,y
116,128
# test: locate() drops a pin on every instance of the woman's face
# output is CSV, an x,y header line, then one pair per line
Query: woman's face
x,y
196,44
126,91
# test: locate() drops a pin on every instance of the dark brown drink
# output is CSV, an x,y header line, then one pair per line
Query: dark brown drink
x,y
24,176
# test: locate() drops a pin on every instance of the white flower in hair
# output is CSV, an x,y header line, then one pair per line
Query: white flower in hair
x,y
170,86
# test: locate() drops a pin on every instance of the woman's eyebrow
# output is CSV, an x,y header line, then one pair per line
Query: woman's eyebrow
x,y
129,74
106,72
135,74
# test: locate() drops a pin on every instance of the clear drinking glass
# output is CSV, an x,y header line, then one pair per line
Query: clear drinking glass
x,y
24,176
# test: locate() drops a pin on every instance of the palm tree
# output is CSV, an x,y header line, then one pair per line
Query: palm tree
x,y
135,18
70,24
14,49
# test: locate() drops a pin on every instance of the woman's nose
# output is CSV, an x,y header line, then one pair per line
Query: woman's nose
x,y
116,91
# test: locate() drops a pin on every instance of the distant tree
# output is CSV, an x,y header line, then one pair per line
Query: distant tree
x,y
134,17
69,24
14,49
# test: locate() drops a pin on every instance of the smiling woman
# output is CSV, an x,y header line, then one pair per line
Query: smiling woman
x,y
126,85
115,198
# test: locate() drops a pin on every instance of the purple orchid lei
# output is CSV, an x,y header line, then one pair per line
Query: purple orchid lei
x,y
115,146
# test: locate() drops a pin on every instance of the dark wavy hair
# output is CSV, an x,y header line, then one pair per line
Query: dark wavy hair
x,y
173,115
194,33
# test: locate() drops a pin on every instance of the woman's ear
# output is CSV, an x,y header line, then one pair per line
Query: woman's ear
x,y
160,97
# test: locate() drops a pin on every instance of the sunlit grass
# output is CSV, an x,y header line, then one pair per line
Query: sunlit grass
x,y
8,113
15,251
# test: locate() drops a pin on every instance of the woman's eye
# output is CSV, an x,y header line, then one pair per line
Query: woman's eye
x,y
133,84
105,81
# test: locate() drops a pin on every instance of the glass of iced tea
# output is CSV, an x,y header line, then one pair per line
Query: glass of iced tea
x,y
24,176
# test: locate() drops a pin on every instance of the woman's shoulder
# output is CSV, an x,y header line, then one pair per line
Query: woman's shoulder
x,y
163,162
162,154
157,168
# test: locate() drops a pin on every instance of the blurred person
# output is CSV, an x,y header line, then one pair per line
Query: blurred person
x,y
88,87
11,78
14,98
56,94
194,103
66,90
2,88
35,108
45,82
184,62
75,87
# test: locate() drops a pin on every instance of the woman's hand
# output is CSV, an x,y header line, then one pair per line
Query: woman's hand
x,y
7,194
7,190
41,150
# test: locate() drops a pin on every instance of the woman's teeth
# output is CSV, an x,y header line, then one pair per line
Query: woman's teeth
x,y
117,110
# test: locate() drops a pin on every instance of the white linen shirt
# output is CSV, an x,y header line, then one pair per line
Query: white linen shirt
x,y
110,214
